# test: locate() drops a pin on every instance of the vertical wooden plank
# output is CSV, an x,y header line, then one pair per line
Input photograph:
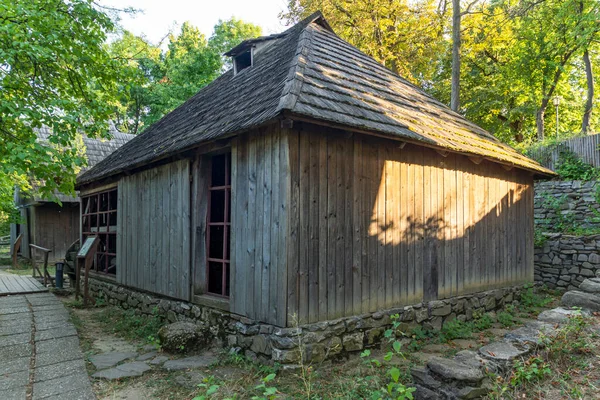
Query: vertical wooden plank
x,y
396,238
266,225
357,217
529,251
186,232
430,233
258,223
348,226
441,227
312,212
250,234
165,183
121,255
275,264
324,250
419,217
387,234
467,226
293,226
173,270
303,294
459,233
404,228
153,191
332,227
285,178
239,224
340,259
380,228
413,296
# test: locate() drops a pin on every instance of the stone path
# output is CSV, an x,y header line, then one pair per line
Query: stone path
x,y
39,351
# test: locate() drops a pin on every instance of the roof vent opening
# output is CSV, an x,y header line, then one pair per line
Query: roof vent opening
x,y
243,60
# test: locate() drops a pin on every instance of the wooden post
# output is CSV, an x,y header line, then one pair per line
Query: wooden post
x,y
44,275
16,248
86,255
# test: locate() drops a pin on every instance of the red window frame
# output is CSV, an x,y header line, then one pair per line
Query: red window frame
x,y
218,226
99,218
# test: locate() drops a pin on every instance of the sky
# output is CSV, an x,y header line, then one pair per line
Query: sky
x,y
159,17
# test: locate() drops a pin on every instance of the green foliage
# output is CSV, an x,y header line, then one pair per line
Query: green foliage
x,y
531,300
529,371
506,319
571,167
395,388
54,71
456,329
267,392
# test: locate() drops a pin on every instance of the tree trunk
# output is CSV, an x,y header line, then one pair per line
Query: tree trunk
x,y
455,94
587,114
539,121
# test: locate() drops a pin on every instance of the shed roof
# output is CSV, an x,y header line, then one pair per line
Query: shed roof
x,y
309,72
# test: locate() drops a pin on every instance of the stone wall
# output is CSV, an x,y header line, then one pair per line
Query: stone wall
x,y
564,261
573,200
320,341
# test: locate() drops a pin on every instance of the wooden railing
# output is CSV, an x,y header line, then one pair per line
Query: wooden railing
x,y
45,275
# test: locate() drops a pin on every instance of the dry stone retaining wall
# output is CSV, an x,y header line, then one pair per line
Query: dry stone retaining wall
x,y
322,340
574,200
564,261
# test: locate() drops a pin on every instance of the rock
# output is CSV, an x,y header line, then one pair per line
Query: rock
x,y
559,315
422,377
159,360
594,258
532,332
107,360
469,392
591,285
189,363
441,310
183,336
454,370
190,379
422,393
353,341
123,371
147,356
503,351
575,298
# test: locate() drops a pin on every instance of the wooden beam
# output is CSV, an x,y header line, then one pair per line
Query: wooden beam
x,y
402,145
476,160
443,153
287,123
507,167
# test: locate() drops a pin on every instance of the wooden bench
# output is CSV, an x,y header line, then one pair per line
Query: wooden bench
x,y
45,275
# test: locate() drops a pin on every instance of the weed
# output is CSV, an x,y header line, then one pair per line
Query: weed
x,y
506,319
267,392
456,329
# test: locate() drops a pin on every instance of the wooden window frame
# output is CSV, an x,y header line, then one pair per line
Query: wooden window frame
x,y
226,224
103,256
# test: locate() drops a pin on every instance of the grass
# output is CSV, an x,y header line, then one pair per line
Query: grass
x,y
129,325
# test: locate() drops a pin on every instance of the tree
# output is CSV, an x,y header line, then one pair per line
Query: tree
x,y
228,34
54,71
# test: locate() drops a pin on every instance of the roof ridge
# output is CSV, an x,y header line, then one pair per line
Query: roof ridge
x,y
295,78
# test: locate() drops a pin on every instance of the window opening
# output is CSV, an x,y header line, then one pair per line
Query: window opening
x,y
219,224
243,60
99,217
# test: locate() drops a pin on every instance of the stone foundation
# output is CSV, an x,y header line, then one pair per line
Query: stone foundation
x,y
321,340
565,261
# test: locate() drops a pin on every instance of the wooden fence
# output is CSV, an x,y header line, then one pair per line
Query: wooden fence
x,y
585,147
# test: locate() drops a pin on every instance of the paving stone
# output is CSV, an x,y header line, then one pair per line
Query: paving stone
x,y
55,333
14,310
46,319
15,327
454,370
80,394
127,370
57,356
107,360
159,360
560,315
190,379
14,380
147,356
15,351
54,371
58,386
532,332
422,376
189,362
15,365
15,393
575,298
9,318
57,344
42,326
502,351
18,338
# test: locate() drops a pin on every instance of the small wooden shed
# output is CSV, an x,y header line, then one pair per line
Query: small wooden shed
x,y
309,182
51,225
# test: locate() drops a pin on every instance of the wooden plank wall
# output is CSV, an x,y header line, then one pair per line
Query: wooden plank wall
x,y
586,147
153,235
55,227
260,185
373,226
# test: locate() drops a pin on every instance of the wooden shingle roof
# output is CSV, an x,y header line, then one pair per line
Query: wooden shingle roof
x,y
309,72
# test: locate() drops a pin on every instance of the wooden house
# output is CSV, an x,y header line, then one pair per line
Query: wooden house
x,y
46,223
310,182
